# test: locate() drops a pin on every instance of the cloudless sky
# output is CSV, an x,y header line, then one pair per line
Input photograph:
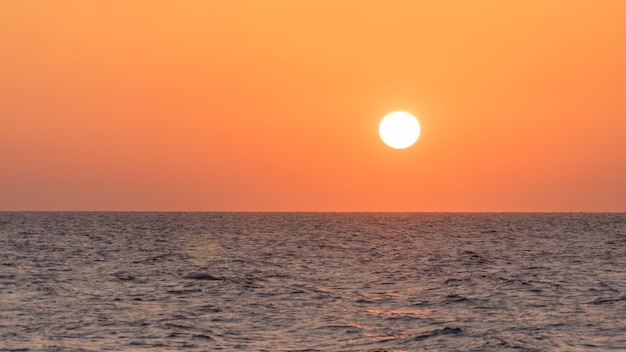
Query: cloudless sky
x,y
274,105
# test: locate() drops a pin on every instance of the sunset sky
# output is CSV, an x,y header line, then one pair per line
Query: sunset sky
x,y
274,105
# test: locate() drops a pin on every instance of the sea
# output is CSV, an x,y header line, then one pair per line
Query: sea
x,y
107,281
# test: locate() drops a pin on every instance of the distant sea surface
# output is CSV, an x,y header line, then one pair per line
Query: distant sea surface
x,y
312,282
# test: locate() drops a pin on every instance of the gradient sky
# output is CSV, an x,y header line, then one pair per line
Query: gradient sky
x,y
274,105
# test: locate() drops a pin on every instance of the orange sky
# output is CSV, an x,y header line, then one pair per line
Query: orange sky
x,y
274,105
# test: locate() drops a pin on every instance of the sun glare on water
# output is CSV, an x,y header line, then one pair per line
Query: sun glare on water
x,y
399,130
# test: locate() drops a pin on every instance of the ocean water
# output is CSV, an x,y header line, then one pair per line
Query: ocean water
x,y
312,282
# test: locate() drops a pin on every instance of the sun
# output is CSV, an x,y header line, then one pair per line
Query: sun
x,y
399,130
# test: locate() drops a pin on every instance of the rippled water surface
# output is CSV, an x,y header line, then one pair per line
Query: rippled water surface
x,y
312,282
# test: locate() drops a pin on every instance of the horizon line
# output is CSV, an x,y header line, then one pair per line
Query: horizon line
x,y
321,211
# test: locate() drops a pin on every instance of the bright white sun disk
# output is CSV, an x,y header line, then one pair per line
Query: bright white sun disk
x,y
399,130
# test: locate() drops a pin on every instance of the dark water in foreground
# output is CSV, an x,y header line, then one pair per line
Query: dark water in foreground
x,y
312,282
